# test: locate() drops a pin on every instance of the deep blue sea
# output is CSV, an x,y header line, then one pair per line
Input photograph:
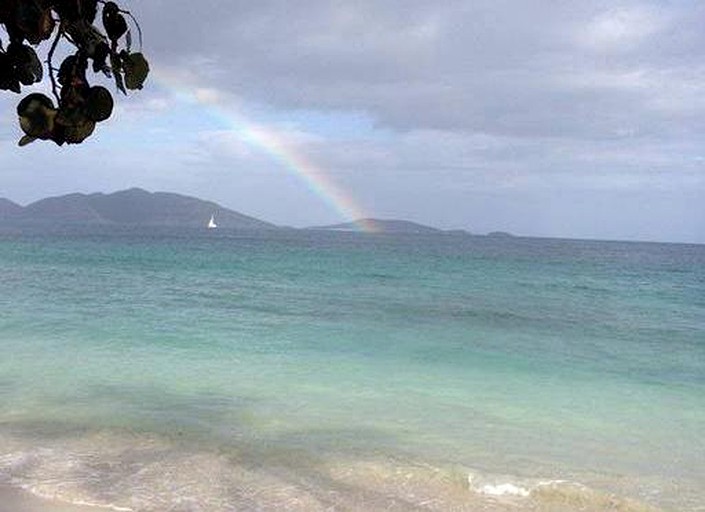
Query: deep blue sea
x,y
188,371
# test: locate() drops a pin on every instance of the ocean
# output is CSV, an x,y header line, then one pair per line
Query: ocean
x,y
193,370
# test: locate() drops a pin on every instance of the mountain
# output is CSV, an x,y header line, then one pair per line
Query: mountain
x,y
382,226
8,208
135,207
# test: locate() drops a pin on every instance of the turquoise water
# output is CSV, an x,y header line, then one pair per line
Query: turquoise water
x,y
158,370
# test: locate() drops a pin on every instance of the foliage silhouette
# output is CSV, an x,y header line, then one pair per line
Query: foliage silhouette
x,y
77,106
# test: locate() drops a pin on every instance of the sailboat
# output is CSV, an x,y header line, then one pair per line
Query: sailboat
x,y
211,222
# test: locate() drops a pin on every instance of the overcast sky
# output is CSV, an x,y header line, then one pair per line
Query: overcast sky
x,y
570,119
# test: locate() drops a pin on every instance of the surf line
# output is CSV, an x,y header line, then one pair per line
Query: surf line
x,y
273,145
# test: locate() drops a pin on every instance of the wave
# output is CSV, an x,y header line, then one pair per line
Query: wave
x,y
552,495
137,472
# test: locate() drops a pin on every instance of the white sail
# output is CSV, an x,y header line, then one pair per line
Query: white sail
x,y
211,222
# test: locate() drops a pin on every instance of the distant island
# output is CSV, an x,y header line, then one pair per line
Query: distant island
x,y
135,207
138,207
387,226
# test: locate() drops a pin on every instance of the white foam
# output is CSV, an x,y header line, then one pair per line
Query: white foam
x,y
506,489
100,505
498,486
78,502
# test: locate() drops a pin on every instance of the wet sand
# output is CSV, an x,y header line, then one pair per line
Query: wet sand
x,y
15,500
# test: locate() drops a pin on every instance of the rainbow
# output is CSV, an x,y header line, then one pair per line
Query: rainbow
x,y
272,144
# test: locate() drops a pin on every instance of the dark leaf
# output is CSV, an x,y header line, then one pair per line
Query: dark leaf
x,y
75,130
10,84
8,77
114,22
58,134
33,21
37,115
136,70
68,10
87,37
28,68
27,139
66,70
89,9
5,10
99,104
80,105
116,68
28,19
45,28
100,55
32,101
72,77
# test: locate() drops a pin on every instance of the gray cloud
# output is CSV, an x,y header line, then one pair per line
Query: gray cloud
x,y
529,68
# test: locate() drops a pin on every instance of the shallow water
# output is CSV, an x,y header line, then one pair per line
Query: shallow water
x,y
187,371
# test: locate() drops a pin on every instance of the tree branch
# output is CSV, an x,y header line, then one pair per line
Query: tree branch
x,y
50,62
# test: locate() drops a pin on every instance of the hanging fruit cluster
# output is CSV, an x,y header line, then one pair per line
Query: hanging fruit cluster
x,y
77,105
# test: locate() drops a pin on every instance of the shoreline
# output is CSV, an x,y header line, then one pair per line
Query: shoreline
x,y
14,499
